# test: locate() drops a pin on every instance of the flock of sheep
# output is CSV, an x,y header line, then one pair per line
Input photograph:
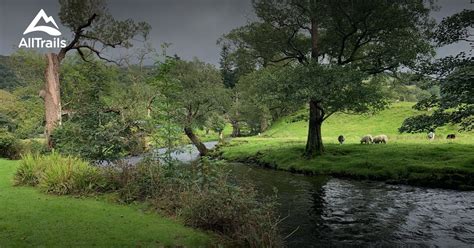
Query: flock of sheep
x,y
368,139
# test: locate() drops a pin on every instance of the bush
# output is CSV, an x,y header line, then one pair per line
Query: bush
x,y
10,146
59,175
204,197
32,146
29,171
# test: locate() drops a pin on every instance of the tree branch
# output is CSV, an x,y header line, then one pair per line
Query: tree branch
x,y
77,35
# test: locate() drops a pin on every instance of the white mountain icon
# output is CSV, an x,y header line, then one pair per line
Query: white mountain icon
x,y
47,19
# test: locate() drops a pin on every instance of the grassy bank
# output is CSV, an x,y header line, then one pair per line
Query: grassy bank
x,y
407,158
30,218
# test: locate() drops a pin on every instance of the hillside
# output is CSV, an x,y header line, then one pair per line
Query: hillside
x,y
354,126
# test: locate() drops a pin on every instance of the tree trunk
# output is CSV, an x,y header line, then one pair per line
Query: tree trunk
x,y
196,141
263,124
52,96
314,143
235,129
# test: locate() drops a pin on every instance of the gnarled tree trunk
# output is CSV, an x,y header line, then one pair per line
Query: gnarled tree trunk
x,y
314,143
52,96
196,141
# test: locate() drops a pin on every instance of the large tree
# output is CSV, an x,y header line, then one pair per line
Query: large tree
x,y
372,36
93,30
453,74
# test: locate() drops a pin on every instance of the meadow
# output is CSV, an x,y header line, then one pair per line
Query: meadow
x,y
406,158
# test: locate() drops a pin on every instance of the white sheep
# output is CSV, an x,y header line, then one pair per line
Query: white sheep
x,y
431,136
366,139
380,139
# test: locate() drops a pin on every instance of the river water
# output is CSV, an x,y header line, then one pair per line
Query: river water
x,y
321,211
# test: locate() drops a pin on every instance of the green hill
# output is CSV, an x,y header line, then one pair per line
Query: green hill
x,y
407,158
353,127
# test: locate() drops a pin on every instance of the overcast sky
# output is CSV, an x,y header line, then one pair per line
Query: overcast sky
x,y
192,26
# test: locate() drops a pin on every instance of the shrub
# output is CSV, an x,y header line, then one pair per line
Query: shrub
x,y
33,146
59,174
204,197
10,146
233,210
29,171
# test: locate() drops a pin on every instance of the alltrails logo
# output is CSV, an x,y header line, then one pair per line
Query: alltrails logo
x,y
36,42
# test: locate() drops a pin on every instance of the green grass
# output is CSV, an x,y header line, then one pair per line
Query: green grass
x,y
29,218
407,158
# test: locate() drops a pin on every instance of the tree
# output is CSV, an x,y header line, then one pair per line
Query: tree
x,y
453,74
96,127
370,36
216,123
94,29
234,63
197,91
264,97
28,67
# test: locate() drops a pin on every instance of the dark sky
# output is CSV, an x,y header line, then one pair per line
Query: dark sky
x,y
192,26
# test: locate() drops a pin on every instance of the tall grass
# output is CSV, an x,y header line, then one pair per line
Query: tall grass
x,y
59,174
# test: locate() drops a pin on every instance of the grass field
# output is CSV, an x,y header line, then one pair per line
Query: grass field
x,y
407,158
29,218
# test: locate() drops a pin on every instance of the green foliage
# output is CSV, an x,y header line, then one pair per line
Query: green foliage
x,y
190,93
338,88
197,92
21,106
97,128
216,123
455,28
204,197
453,75
29,171
60,175
236,211
8,79
10,146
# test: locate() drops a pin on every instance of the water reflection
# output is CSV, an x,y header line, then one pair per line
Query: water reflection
x,y
334,212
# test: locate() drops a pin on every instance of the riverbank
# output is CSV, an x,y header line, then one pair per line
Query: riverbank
x,y
31,218
406,159
436,165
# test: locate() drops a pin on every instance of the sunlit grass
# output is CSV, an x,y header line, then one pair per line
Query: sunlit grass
x,y
407,158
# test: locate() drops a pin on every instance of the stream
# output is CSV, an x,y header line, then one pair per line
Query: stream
x,y
322,211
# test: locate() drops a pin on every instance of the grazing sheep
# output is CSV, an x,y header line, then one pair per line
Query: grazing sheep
x,y
451,136
366,139
431,135
380,139
341,139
